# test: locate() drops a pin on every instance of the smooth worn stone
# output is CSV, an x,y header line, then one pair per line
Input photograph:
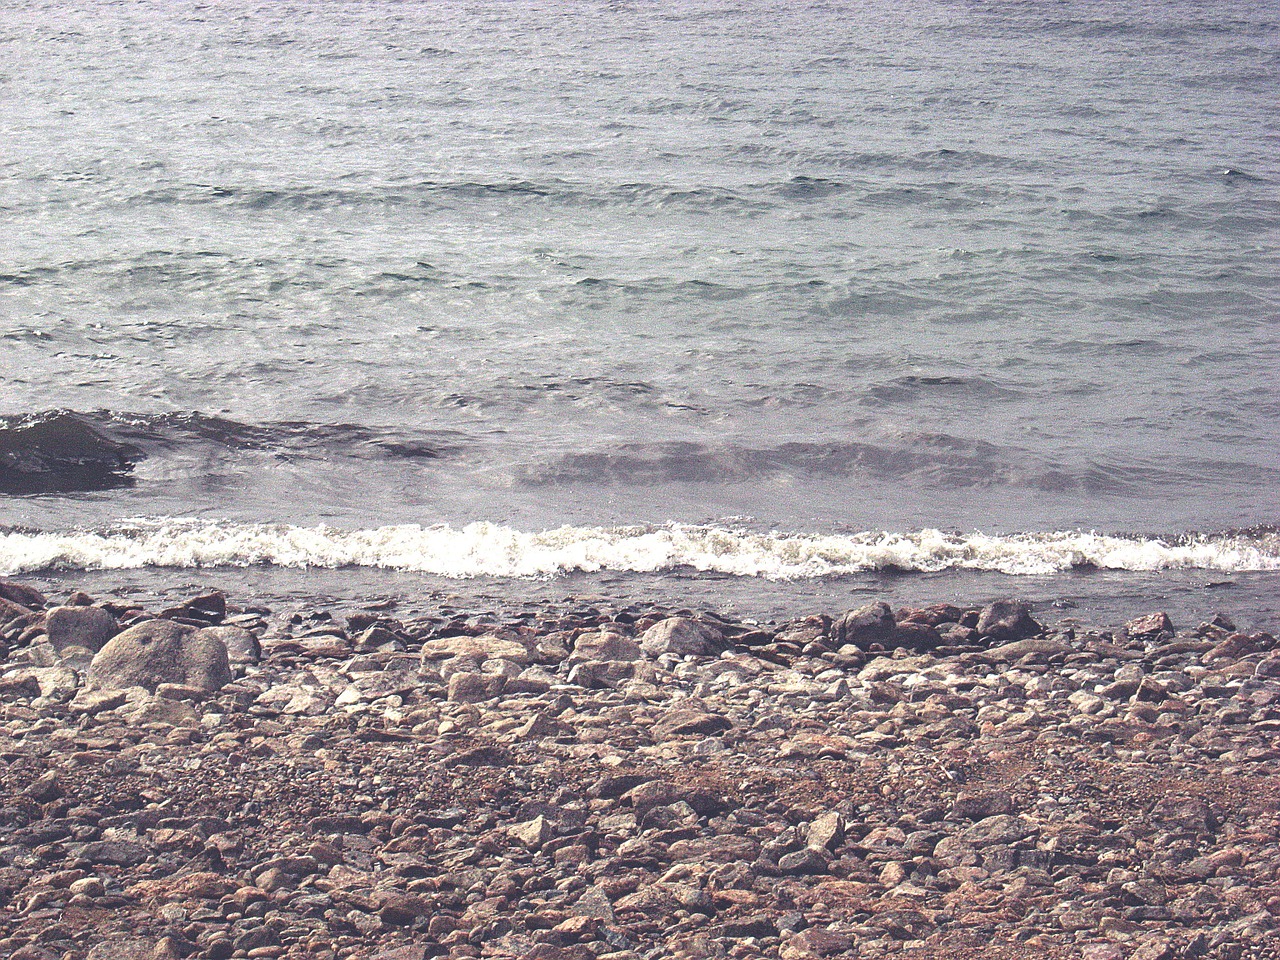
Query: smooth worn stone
x,y
1042,646
806,861
160,651
88,628
683,637
606,645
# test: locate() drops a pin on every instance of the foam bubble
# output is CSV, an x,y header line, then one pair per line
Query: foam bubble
x,y
493,550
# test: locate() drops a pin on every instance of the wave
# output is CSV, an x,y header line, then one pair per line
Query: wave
x,y
484,549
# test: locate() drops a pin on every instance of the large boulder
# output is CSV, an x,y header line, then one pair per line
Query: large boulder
x,y
682,636
161,651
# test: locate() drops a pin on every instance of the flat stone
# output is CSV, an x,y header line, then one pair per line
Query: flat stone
x,y
1042,646
93,702
481,648
979,806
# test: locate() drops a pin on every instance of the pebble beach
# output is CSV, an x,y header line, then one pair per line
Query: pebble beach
x,y
581,780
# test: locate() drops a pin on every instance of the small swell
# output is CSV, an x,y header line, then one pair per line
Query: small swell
x,y
484,549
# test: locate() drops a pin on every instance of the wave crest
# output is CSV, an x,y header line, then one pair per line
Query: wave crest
x,y
492,550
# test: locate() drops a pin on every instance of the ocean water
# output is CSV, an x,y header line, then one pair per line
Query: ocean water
x,y
767,306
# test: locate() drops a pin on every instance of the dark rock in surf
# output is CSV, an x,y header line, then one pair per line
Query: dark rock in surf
x,y
60,454
1006,621
872,623
1150,627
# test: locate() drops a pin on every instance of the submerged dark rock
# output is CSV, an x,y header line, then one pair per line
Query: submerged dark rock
x,y
62,453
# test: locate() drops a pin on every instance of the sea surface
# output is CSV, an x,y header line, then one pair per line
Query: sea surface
x,y
767,306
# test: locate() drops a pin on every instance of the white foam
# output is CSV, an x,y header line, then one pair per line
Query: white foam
x,y
487,549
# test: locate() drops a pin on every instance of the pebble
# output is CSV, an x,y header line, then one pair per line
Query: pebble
x,y
580,781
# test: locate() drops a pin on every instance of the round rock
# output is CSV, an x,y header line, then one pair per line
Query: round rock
x,y
161,651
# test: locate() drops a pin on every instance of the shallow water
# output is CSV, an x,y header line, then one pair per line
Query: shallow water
x,y
825,270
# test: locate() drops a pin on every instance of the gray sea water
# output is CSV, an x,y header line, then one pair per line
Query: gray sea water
x,y
726,300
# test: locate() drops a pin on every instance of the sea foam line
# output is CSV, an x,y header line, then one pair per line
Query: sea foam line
x,y
494,550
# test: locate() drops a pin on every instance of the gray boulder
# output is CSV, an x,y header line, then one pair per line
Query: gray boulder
x,y
161,651
681,636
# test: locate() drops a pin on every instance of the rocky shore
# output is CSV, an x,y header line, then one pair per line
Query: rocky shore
x,y
580,781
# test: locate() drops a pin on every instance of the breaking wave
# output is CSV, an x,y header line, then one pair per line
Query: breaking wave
x,y
492,550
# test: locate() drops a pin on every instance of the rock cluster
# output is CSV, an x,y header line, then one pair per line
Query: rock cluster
x,y
579,782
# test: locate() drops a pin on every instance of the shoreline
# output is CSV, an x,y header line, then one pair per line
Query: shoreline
x,y
583,781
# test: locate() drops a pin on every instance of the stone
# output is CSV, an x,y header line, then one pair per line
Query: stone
x,y
979,806
474,687
242,645
10,611
997,829
1040,646
160,651
806,861
682,636
867,625
534,833
45,788
22,595
19,686
818,942
606,645
687,722
487,647
1150,627
1006,621
88,628
92,702
826,832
